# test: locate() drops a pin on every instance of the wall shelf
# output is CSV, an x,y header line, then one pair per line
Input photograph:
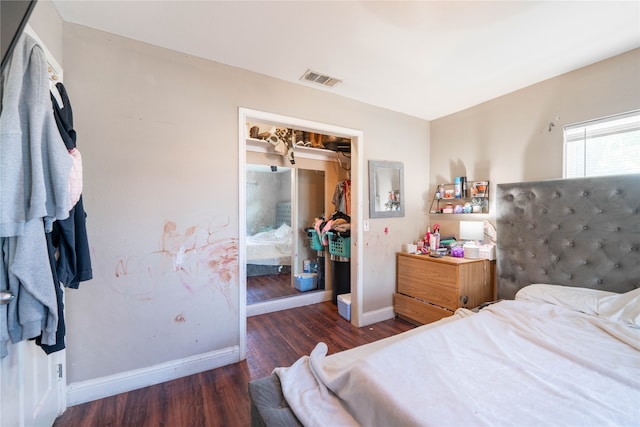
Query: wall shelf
x,y
476,201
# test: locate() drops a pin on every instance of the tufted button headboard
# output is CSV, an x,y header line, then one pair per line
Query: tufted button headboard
x,y
575,232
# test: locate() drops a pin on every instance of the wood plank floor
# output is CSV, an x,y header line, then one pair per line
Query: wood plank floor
x,y
219,397
269,286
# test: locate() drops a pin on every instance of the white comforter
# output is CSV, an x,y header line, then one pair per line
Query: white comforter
x,y
272,247
524,363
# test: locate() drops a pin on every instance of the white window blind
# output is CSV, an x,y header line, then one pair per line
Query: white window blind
x,y
607,146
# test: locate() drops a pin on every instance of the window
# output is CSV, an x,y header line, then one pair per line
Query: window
x,y
608,146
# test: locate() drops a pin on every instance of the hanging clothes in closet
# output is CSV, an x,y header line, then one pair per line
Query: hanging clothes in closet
x,y
342,197
35,168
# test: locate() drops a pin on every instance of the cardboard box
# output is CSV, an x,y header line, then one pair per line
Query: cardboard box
x,y
344,306
306,281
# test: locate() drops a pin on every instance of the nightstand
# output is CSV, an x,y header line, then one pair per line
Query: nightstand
x,y
428,288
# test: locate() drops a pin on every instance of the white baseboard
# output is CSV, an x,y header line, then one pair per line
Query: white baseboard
x,y
376,316
286,303
86,391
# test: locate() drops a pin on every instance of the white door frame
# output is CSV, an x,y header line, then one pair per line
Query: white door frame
x,y
246,115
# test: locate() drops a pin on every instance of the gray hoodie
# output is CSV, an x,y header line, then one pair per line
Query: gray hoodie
x,y
34,162
34,191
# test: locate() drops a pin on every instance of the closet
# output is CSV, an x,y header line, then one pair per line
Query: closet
x,y
307,181
276,144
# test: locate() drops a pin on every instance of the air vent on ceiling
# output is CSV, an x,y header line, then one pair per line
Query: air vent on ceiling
x,y
315,77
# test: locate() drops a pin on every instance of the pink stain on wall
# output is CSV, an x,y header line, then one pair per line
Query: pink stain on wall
x,y
195,259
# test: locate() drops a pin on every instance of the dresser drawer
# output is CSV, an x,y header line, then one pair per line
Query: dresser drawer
x,y
444,296
418,311
428,289
428,281
432,272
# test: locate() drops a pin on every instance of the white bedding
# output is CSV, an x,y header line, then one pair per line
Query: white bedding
x,y
272,247
528,362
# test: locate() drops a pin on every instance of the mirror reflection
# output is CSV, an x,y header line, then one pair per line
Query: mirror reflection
x,y
386,189
272,234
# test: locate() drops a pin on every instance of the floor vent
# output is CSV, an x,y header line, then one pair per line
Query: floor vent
x,y
315,77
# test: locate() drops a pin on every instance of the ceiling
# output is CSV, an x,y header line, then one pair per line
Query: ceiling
x,y
426,59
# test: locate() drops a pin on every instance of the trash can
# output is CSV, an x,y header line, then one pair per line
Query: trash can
x,y
340,251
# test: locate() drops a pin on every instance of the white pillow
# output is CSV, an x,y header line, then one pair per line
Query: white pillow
x,y
623,308
579,299
282,231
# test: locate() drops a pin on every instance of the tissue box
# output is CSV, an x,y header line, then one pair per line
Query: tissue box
x,y
306,281
488,252
344,306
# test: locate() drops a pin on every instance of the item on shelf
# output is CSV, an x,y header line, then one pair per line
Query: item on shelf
x,y
460,189
448,208
448,193
479,189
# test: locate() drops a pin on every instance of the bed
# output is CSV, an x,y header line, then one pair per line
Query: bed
x,y
269,251
562,347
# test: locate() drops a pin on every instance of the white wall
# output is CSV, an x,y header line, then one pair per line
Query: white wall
x,y
158,133
508,139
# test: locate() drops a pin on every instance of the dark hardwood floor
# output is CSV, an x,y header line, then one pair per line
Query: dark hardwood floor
x,y
269,286
219,397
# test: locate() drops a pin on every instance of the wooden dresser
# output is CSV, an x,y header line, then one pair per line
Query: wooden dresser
x,y
428,289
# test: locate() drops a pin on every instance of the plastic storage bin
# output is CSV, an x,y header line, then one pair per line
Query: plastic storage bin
x,y
305,281
344,306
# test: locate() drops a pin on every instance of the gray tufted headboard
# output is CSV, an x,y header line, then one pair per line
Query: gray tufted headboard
x,y
575,232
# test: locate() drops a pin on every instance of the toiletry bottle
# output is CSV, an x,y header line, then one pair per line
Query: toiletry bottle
x,y
458,187
435,239
427,237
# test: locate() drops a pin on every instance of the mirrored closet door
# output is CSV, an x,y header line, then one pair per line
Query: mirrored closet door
x,y
269,240
282,204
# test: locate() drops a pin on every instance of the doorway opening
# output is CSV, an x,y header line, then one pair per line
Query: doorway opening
x,y
311,167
